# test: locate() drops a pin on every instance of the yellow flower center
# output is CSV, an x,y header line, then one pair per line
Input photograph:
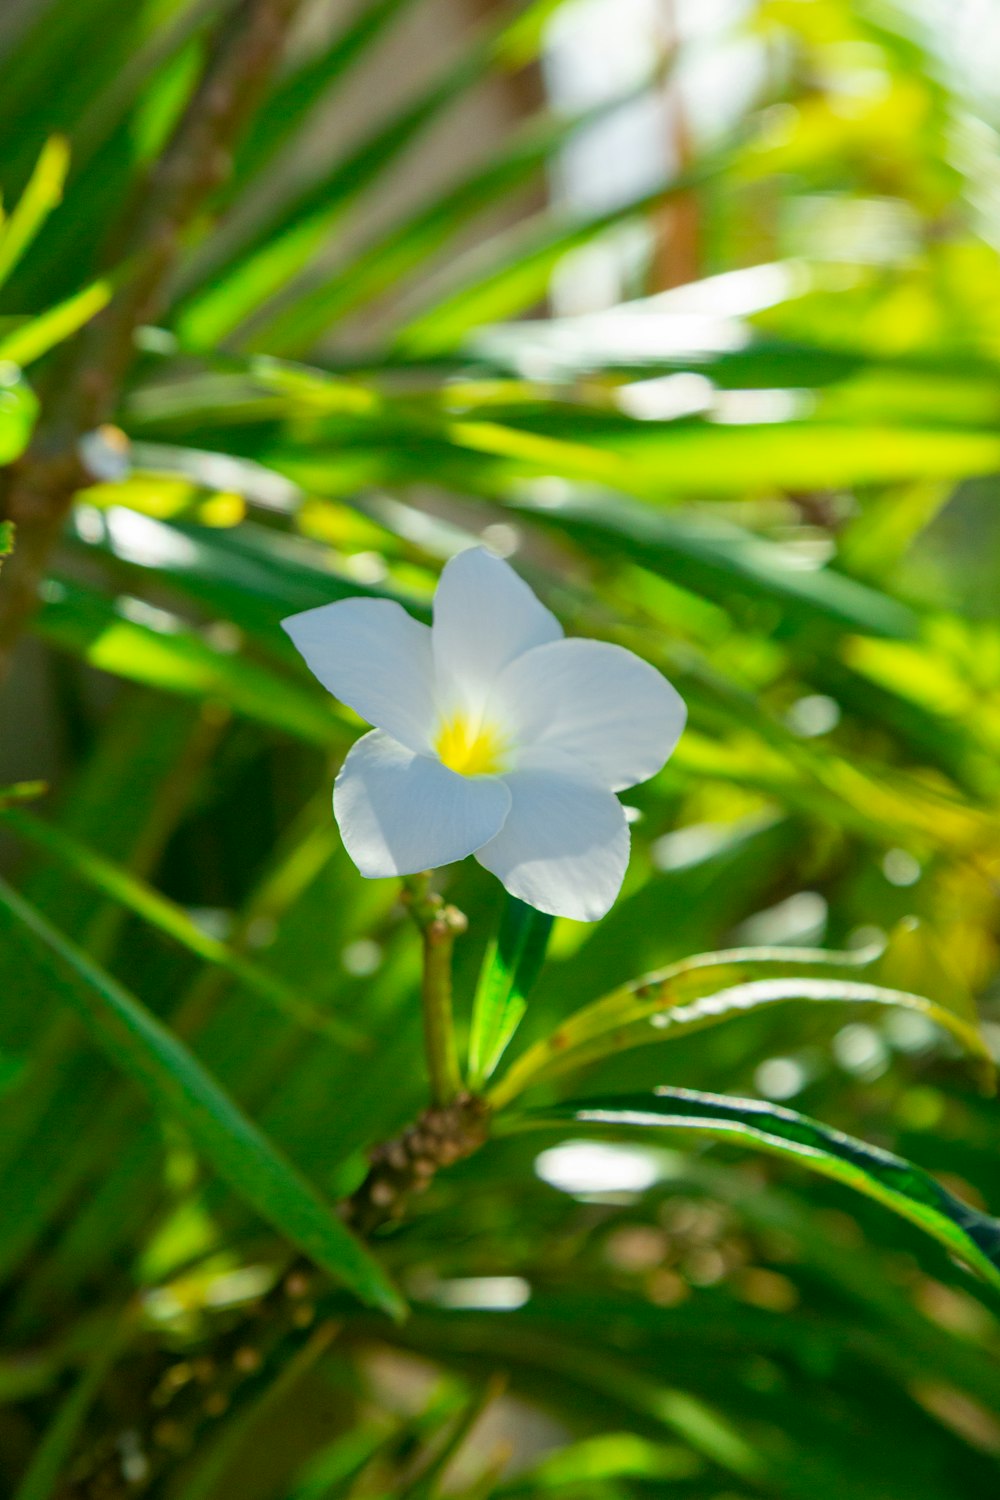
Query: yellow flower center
x,y
470,748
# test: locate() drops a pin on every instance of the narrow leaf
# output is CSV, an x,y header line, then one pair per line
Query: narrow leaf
x,y
41,1480
164,655
172,920
383,263
30,340
514,270
43,192
723,560
280,248
177,1083
510,969
906,1189
712,988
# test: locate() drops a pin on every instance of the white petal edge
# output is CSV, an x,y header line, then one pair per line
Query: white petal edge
x,y
564,847
601,704
485,616
377,659
399,812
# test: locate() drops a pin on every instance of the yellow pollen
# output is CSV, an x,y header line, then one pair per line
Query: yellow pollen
x,y
470,749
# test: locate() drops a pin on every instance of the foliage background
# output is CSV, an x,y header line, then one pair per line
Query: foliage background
x,y
738,413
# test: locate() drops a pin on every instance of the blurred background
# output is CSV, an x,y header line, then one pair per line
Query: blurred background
x,y
692,311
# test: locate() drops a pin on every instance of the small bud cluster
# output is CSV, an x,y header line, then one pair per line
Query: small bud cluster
x,y
406,1164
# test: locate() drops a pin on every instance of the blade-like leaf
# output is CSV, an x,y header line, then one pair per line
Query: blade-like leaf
x,y
724,561
35,337
712,988
293,96
612,1455
510,968
282,246
176,660
248,575
41,1479
43,192
169,918
907,1189
177,1083
515,270
383,264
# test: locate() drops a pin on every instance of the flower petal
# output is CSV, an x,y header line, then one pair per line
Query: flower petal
x,y
564,847
399,812
375,658
484,617
599,703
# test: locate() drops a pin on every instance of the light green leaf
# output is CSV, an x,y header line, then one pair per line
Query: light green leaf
x,y
289,239
177,660
510,968
35,337
710,989
40,197
724,561
612,1455
514,271
18,414
382,264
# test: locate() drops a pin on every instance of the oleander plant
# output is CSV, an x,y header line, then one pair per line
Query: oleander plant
x,y
499,767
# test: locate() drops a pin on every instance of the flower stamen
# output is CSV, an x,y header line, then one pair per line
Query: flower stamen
x,y
470,748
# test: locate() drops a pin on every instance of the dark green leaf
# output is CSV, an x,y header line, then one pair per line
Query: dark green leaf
x,y
903,1187
120,885
177,1083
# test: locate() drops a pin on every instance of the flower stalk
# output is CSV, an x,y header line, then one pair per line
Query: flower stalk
x,y
439,926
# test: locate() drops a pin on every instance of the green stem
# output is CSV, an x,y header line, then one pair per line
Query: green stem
x,y
439,926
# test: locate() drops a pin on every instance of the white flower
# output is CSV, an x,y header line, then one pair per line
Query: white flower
x,y
496,737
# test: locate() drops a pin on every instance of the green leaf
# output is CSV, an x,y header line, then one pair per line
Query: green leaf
x,y
208,1471
169,918
692,456
424,1483
710,989
21,791
41,1479
294,95
510,968
18,414
907,1189
178,1084
514,270
383,263
43,192
612,1455
724,561
249,575
288,240
36,336
176,660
